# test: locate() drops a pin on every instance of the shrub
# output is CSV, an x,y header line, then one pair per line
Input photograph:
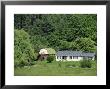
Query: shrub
x,y
23,51
50,58
85,63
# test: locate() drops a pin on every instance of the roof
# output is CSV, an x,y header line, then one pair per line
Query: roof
x,y
68,53
43,51
50,51
88,54
75,53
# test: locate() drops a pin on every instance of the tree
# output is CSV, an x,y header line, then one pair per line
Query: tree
x,y
64,45
86,44
59,31
50,58
38,42
23,51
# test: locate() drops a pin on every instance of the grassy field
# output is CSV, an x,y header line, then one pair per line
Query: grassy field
x,y
42,68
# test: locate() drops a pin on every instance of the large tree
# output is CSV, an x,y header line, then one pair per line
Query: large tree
x,y
23,52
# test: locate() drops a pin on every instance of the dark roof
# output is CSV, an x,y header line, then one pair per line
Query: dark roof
x,y
88,54
74,53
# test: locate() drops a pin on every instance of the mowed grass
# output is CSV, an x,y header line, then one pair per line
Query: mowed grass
x,y
42,68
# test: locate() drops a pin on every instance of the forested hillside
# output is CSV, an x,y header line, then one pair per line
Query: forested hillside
x,y
59,31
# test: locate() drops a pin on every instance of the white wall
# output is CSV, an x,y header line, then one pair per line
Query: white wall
x,y
68,59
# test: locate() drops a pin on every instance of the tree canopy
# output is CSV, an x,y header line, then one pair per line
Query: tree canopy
x,y
23,53
58,31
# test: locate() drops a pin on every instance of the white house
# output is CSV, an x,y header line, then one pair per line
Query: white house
x,y
74,55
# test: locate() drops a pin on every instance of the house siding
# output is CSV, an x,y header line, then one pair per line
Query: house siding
x,y
68,59
74,56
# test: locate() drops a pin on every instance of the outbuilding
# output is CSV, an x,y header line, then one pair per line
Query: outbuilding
x,y
44,53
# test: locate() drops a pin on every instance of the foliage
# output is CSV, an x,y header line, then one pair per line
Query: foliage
x,y
42,68
24,53
59,31
50,58
38,42
50,51
86,44
85,63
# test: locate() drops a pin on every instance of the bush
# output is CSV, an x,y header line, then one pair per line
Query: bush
x,y
23,51
50,59
85,63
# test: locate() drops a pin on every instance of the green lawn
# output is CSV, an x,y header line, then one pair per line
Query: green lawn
x,y
42,68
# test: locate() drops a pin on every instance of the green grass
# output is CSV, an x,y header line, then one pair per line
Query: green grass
x,y
42,68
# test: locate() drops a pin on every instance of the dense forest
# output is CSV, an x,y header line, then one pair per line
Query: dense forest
x,y
58,31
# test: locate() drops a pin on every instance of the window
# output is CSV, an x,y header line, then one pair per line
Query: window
x,y
70,57
75,57
64,57
59,57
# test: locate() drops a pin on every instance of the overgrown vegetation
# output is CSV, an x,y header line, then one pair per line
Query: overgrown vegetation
x,y
60,31
50,58
57,31
23,51
85,63
42,68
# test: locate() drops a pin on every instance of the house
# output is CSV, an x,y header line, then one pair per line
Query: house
x,y
43,53
74,55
